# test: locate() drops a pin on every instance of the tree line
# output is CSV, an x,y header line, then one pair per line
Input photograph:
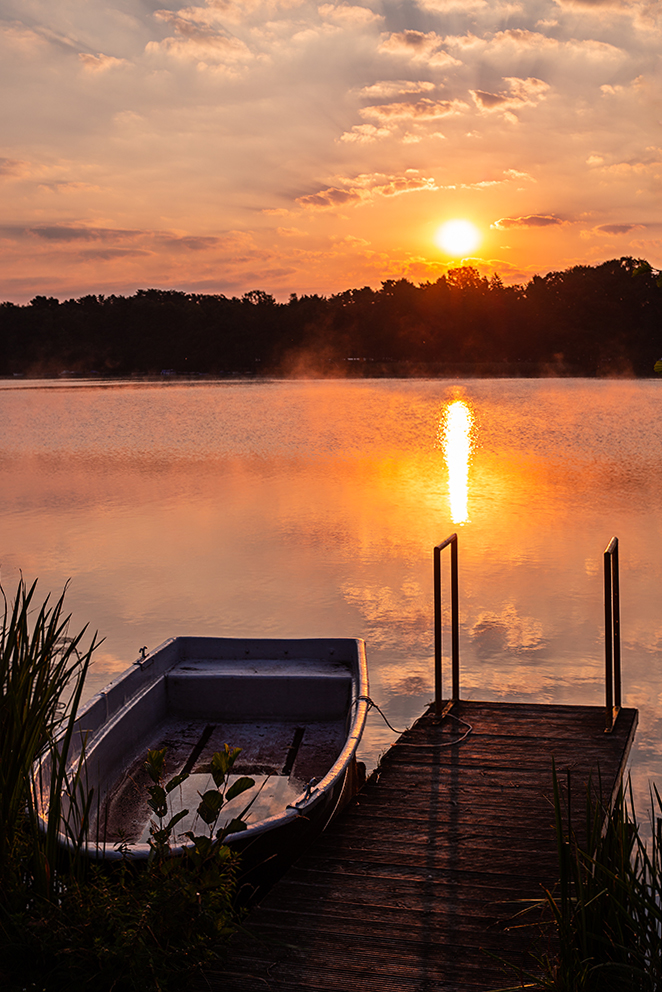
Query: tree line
x,y
587,320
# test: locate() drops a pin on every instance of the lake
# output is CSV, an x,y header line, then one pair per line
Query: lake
x,y
311,508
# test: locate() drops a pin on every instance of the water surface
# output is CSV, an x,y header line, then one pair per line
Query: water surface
x,y
311,509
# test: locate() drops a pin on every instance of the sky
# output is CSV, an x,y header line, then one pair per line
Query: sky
x,y
298,147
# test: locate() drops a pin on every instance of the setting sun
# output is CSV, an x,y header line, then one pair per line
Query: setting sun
x,y
458,237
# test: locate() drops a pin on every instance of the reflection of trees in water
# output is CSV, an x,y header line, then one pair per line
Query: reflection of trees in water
x,y
587,319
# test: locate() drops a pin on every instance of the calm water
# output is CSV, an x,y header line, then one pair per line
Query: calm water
x,y
311,508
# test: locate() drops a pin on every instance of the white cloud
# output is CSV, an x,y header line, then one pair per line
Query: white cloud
x,y
365,133
100,62
348,16
395,87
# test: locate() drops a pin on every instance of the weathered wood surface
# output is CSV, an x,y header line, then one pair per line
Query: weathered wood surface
x,y
420,878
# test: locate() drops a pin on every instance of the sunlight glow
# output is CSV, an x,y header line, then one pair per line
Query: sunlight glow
x,y
458,237
457,443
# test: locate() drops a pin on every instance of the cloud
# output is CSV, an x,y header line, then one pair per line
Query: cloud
x,y
365,133
64,233
364,188
22,41
192,243
215,115
112,254
459,6
100,62
332,197
70,186
532,220
348,16
615,229
395,87
516,174
196,38
557,55
415,110
419,47
521,93
11,166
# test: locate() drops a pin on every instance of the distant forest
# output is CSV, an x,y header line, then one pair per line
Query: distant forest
x,y
588,320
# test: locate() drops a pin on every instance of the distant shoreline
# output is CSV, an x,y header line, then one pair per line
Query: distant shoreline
x,y
383,370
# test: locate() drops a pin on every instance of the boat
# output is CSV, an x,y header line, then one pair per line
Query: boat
x,y
295,707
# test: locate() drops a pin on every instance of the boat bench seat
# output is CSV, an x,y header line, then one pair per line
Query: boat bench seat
x,y
262,696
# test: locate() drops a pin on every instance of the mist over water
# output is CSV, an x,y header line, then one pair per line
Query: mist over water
x,y
311,508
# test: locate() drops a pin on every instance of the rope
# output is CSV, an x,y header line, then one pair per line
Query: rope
x,y
373,705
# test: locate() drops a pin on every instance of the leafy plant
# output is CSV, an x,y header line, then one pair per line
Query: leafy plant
x,y
209,809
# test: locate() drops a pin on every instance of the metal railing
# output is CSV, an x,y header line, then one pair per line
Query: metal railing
x,y
455,625
612,631
612,636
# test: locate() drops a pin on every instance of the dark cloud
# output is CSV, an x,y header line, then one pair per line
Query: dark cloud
x,y
331,197
108,254
617,228
489,100
533,220
61,232
10,166
192,243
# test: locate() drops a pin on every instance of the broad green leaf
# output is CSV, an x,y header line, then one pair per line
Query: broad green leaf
x,y
155,763
157,800
231,827
177,780
222,762
210,806
241,785
176,818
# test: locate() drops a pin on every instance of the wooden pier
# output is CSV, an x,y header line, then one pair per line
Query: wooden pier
x,y
418,882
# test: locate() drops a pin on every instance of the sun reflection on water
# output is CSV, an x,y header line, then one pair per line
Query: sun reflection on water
x,y
456,431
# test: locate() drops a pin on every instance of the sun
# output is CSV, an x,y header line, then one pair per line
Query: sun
x,y
458,237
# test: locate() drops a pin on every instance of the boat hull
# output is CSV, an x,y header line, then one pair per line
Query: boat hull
x,y
296,708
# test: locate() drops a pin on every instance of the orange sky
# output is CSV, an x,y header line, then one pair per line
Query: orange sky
x,y
301,147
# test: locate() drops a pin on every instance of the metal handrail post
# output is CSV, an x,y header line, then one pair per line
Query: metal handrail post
x,y
455,623
612,635
616,619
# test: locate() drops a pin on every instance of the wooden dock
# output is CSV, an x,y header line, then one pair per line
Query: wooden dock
x,y
417,882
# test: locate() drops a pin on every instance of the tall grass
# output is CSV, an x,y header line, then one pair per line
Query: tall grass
x,y
606,912
42,675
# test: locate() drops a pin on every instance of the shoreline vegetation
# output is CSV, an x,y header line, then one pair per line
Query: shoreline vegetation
x,y
588,321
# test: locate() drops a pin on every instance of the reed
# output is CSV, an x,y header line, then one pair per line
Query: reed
x,y
42,675
606,911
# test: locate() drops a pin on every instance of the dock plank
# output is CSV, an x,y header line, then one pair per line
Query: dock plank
x,y
418,882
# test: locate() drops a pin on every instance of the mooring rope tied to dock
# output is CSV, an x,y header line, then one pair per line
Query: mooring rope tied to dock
x,y
373,705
